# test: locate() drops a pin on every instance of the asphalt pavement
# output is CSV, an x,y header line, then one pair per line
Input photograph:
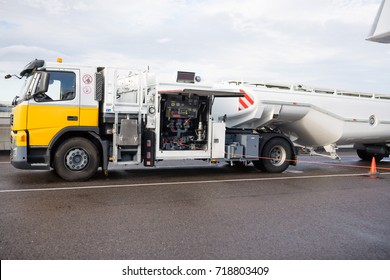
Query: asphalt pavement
x,y
319,209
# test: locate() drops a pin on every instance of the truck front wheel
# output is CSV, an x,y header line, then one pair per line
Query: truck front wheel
x,y
76,159
276,156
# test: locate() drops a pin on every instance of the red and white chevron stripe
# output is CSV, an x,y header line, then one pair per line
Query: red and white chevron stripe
x,y
244,102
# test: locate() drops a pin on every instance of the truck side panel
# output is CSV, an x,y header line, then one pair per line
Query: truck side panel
x,y
46,120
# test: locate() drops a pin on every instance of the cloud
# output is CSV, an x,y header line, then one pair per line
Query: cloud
x,y
299,41
51,7
16,50
14,57
164,40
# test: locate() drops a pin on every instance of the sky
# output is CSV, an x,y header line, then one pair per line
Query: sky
x,y
311,42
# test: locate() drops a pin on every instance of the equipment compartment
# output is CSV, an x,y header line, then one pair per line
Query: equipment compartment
x,y
183,122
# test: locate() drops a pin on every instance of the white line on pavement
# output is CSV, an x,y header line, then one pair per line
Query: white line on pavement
x,y
188,182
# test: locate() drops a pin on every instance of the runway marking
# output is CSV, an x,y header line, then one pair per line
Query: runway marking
x,y
189,182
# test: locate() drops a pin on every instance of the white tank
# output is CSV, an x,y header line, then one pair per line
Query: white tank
x,y
310,117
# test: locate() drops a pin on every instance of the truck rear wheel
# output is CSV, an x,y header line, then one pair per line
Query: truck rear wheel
x,y
276,156
76,159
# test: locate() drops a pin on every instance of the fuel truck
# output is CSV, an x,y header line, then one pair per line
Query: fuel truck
x,y
76,119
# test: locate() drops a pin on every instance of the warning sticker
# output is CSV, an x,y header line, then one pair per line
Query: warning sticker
x,y
87,89
87,79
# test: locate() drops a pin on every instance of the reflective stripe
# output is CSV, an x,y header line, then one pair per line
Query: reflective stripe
x,y
245,102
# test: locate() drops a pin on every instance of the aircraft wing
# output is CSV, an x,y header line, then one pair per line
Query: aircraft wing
x,y
380,30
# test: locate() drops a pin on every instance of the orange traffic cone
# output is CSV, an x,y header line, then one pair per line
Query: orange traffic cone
x,y
373,172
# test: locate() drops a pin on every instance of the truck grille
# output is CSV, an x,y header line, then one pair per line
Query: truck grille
x,y
11,120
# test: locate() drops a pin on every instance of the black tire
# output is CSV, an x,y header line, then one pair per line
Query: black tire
x,y
276,155
76,159
368,156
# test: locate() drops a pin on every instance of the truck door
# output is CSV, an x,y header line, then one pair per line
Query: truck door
x,y
54,110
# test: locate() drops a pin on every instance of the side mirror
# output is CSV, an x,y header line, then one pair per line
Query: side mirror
x,y
43,83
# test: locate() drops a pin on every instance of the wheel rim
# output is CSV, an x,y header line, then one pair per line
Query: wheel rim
x,y
76,159
278,155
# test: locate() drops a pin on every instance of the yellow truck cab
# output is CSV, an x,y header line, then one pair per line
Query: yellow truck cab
x,y
57,105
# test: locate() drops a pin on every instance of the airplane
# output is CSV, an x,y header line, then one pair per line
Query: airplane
x,y
380,30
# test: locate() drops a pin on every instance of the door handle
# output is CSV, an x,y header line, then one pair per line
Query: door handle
x,y
72,118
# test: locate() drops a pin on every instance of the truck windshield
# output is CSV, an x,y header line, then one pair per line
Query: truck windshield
x,y
24,92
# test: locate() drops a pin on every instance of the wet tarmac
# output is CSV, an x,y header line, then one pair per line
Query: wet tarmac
x,y
319,209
